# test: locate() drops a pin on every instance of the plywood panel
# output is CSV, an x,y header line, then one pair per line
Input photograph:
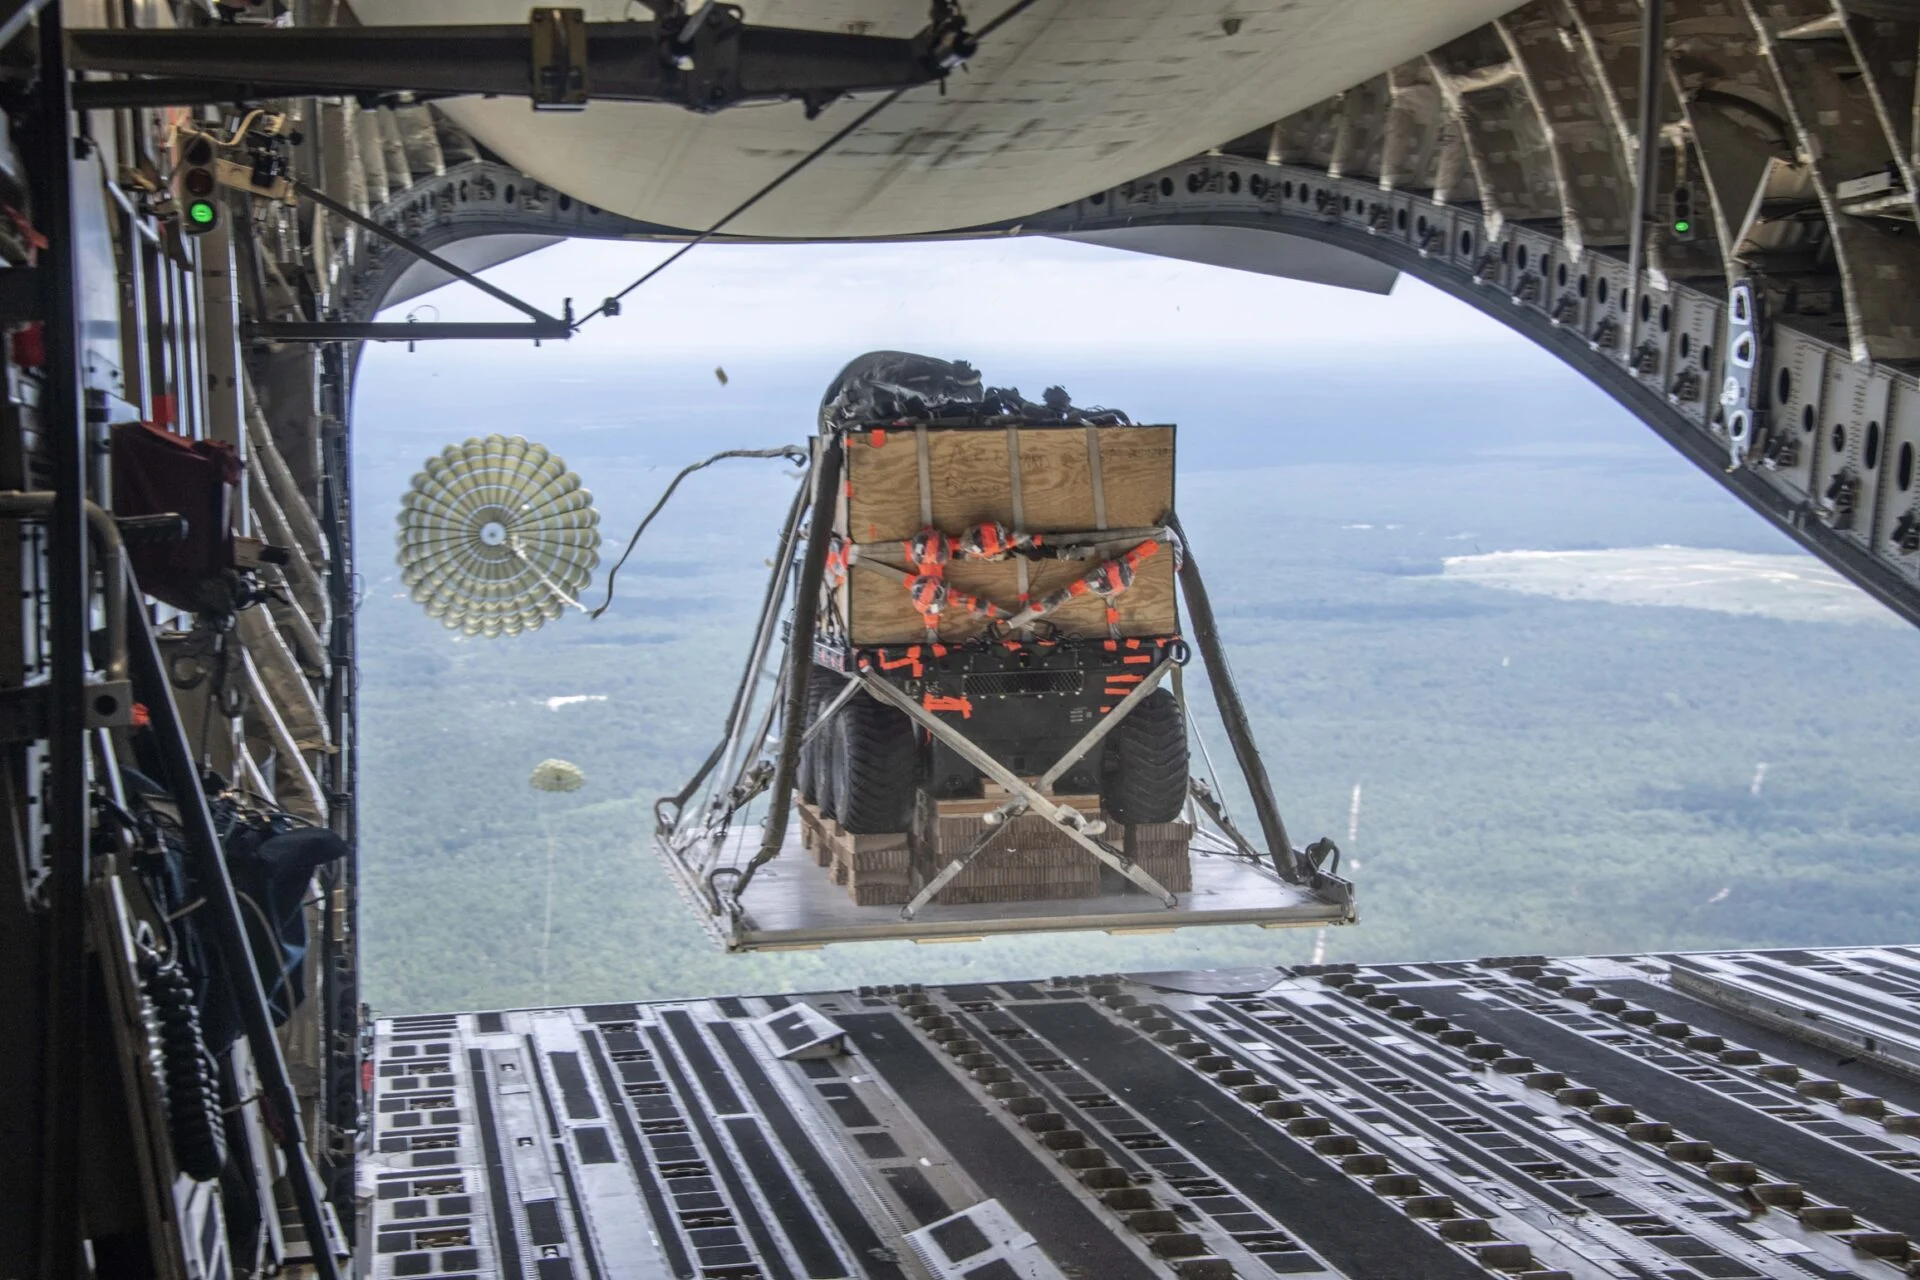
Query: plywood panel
x,y
1056,480
1137,465
884,483
972,482
1146,608
881,612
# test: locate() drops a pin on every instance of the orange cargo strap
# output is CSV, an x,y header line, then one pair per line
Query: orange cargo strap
x,y
840,557
878,438
1137,659
939,702
928,550
988,540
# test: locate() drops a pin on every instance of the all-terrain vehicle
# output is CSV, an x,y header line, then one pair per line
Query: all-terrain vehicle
x,y
1007,565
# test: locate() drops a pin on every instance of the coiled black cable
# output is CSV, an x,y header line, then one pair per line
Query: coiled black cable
x,y
190,1083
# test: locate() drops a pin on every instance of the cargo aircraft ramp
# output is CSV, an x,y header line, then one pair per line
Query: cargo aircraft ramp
x,y
1629,1117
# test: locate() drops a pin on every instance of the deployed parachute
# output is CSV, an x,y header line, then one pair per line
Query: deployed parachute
x,y
497,536
557,775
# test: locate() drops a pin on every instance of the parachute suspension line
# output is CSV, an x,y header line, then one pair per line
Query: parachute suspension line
x,y
670,810
520,553
546,929
555,777
1213,775
791,452
852,127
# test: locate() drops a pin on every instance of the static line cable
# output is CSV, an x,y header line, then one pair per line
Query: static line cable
x,y
791,452
612,305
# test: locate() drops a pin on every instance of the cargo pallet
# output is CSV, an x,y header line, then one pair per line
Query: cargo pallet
x,y
885,504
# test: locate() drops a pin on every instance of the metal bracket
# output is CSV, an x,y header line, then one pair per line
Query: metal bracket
x,y
1210,805
1743,388
375,331
543,325
1067,819
24,713
558,39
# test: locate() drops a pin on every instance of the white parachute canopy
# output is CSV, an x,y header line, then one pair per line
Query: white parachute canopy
x,y
557,775
497,536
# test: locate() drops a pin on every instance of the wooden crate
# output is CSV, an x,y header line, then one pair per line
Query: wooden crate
x,y
970,481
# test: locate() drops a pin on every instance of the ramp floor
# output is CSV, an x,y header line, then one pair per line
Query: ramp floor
x,y
1514,1116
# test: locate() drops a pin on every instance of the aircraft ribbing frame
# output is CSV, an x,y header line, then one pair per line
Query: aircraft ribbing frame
x,y
1769,343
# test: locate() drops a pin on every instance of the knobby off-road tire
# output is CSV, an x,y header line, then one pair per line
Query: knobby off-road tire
x,y
1144,772
813,766
878,767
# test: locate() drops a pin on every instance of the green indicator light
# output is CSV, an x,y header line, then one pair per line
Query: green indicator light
x,y
201,212
1683,226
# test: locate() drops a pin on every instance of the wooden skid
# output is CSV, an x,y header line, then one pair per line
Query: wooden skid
x,y
876,869
1029,859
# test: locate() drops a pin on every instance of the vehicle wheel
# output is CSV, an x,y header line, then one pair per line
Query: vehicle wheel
x,y
827,768
877,769
822,687
1144,772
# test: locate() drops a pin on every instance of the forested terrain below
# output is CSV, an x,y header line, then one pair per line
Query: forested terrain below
x,y
1536,774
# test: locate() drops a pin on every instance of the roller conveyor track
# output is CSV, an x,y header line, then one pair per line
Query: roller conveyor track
x,y
1512,1116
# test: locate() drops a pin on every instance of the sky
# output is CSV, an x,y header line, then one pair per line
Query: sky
x,y
739,302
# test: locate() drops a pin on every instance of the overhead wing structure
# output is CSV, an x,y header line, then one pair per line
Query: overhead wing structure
x,y
1069,97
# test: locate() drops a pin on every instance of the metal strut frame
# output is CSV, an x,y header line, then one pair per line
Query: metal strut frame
x,y
1062,816
1653,72
538,325
555,59
68,800
181,775
667,825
